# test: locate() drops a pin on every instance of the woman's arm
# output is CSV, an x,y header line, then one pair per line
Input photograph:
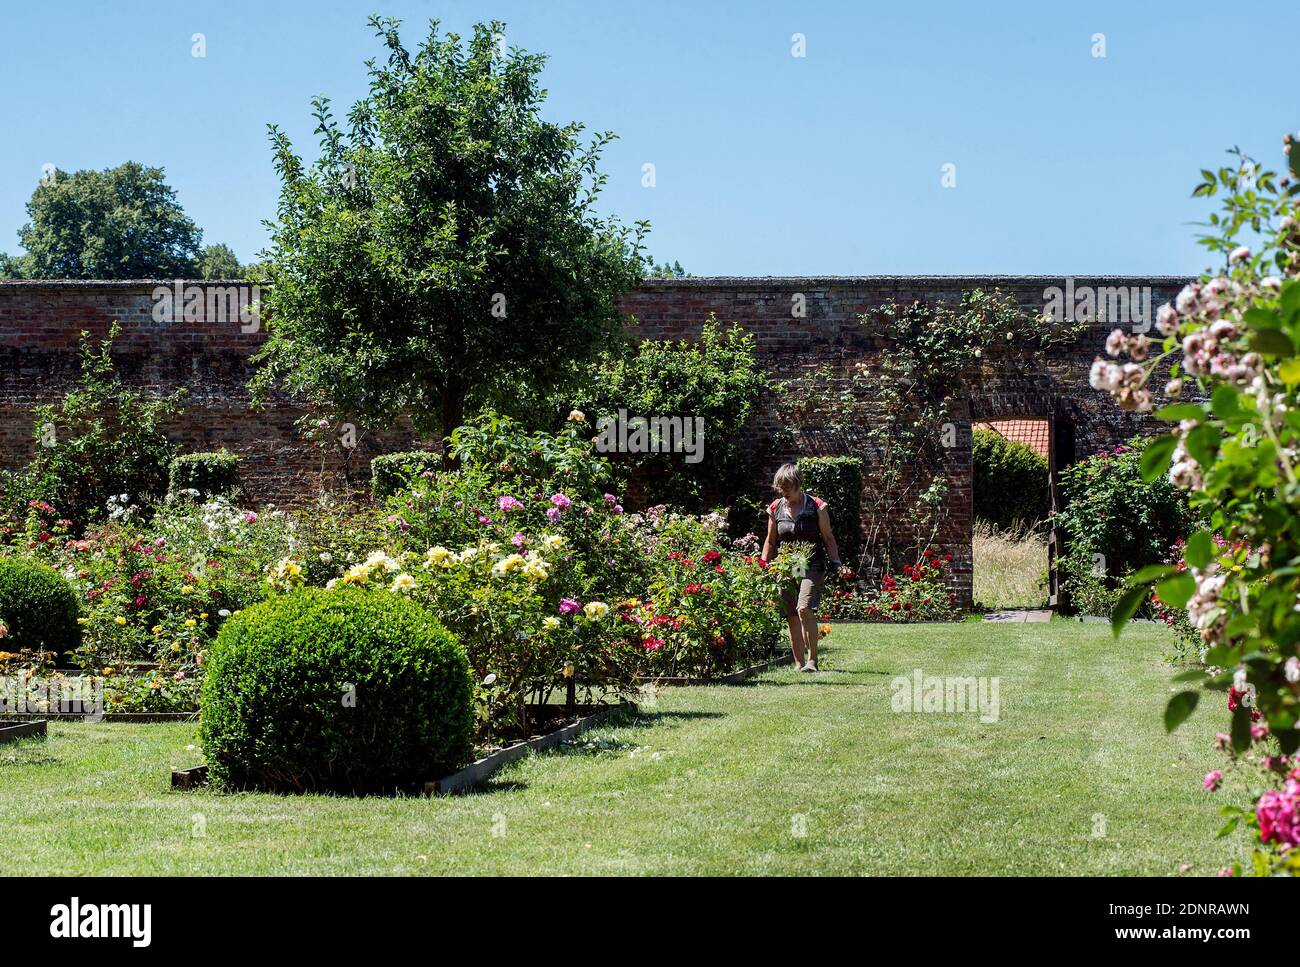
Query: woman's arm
x,y
828,536
769,545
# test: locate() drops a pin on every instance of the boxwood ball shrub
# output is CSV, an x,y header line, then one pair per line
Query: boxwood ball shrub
x,y
392,472
37,607
346,690
211,474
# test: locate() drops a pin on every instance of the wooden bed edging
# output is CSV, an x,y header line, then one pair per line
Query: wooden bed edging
x,y
10,732
476,772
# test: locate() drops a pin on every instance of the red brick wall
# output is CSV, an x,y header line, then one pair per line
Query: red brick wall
x,y
40,323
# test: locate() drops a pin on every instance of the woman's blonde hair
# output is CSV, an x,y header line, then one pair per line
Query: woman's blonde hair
x,y
787,476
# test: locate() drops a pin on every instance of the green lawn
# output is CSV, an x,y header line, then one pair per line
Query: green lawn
x,y
708,781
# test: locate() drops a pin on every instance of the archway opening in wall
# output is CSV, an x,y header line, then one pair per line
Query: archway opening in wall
x,y
1011,511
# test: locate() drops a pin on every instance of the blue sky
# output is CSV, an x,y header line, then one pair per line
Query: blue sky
x,y
766,164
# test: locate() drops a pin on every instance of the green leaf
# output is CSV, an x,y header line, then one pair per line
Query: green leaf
x,y
1176,591
1179,412
1180,706
1126,608
1202,442
1261,318
1150,573
1272,342
1155,456
1200,548
1289,371
1227,827
1191,675
1225,402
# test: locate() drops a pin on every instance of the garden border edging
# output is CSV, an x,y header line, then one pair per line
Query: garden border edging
x,y
477,772
22,730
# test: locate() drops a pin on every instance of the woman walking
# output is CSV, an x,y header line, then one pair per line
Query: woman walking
x,y
800,517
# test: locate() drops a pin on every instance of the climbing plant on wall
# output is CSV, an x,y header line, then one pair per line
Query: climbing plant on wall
x,y
897,408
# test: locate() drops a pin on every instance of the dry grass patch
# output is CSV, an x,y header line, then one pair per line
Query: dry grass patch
x,y
1010,566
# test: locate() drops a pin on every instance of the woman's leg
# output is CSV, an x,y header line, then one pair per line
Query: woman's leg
x,y
791,607
810,594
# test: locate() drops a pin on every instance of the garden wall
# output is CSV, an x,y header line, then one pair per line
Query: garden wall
x,y
40,322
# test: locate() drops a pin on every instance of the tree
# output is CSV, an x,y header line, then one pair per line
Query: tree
x,y
219,262
12,266
667,270
119,223
444,248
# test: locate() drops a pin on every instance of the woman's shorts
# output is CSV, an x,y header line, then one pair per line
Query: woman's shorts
x,y
809,596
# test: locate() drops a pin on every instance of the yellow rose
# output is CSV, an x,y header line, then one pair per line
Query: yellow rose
x,y
190,623
119,620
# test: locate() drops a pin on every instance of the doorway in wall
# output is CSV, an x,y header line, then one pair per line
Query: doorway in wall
x,y
1012,484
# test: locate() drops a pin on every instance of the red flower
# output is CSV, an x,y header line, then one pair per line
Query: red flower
x,y
652,644
711,557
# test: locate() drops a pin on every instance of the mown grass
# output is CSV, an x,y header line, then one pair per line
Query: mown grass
x,y
790,773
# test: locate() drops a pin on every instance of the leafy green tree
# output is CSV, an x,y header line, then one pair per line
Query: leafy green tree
x,y
717,380
219,262
12,266
667,270
119,223
444,249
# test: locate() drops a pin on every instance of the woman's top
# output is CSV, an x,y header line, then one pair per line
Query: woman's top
x,y
803,525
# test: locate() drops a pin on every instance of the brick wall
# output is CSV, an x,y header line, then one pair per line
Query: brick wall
x,y
40,323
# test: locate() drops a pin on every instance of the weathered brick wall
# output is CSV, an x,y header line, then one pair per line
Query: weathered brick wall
x,y
40,323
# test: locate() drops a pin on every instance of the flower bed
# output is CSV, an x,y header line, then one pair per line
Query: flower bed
x,y
919,592
554,590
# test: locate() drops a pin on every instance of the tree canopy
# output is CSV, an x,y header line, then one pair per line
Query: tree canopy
x,y
119,223
444,248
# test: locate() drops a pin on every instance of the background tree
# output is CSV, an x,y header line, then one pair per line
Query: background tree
x,y
119,223
12,266
667,270
219,262
717,379
444,249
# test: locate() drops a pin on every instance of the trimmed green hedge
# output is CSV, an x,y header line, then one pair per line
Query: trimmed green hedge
x,y
38,607
211,474
1010,480
838,481
392,472
347,690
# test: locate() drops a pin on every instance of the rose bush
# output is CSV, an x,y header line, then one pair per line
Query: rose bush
x,y
1230,342
919,592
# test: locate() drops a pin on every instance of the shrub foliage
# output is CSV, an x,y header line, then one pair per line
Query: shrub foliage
x,y
37,607
347,690
1010,481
